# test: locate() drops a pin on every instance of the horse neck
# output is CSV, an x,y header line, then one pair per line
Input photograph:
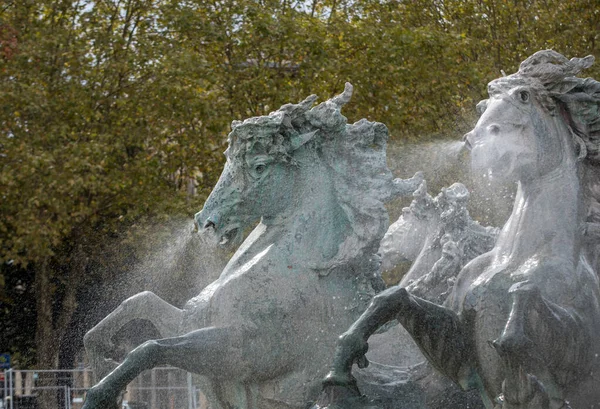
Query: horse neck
x,y
316,225
546,218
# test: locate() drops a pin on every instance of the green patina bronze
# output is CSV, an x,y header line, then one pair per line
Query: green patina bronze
x,y
261,335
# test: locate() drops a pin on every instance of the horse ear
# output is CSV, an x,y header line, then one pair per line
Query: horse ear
x,y
344,97
298,141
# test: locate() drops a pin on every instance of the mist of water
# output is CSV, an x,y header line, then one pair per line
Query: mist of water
x,y
445,162
172,260
175,262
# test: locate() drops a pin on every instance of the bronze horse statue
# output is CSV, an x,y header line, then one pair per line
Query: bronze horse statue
x,y
261,334
522,324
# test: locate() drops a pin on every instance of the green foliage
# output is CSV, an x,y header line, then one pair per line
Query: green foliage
x,y
96,129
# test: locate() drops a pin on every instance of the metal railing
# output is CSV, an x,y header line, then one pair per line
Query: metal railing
x,y
163,387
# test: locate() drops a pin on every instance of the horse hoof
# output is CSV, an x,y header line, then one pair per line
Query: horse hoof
x,y
345,380
352,346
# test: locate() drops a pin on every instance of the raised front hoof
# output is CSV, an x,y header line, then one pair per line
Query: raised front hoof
x,y
351,348
340,392
100,398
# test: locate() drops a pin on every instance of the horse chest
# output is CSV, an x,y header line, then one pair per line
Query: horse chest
x,y
484,310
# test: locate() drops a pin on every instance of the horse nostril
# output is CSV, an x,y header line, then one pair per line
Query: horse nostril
x,y
210,225
466,141
494,129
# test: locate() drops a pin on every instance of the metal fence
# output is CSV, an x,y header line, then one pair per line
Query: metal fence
x,y
159,388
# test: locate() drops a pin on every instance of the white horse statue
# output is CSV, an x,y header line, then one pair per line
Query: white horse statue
x,y
522,324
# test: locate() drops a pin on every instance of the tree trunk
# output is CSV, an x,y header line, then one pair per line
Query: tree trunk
x,y
51,328
46,341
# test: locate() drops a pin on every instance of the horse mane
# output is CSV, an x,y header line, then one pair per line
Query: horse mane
x,y
355,155
455,222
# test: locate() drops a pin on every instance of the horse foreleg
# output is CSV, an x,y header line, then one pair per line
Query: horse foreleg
x,y
213,352
436,330
145,305
352,345
439,334
539,338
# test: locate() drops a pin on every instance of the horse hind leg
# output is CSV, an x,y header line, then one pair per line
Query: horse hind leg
x,y
145,305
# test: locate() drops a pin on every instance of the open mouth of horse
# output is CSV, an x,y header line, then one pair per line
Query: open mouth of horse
x,y
231,236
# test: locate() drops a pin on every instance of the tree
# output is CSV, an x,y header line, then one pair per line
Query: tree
x,y
89,142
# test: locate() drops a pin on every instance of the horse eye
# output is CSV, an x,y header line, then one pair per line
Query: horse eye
x,y
260,168
524,96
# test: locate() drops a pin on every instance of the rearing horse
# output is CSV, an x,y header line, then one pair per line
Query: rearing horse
x,y
261,333
523,322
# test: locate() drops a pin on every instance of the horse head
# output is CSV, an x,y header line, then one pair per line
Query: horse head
x,y
524,131
407,236
295,165
258,176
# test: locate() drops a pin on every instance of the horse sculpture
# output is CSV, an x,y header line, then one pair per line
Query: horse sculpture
x,y
261,334
522,323
438,235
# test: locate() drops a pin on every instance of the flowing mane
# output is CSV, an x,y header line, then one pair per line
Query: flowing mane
x,y
355,157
